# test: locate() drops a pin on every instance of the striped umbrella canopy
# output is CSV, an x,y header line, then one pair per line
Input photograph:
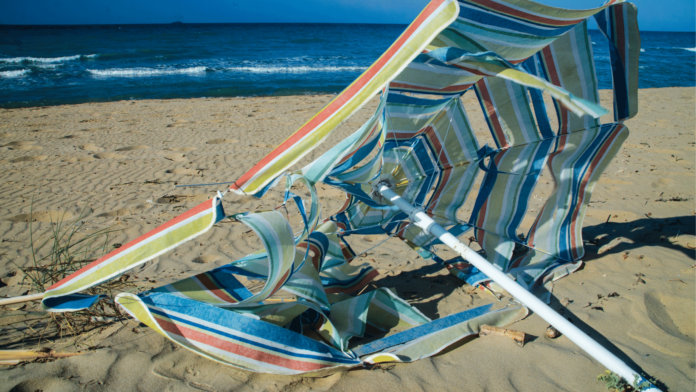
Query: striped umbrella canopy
x,y
421,143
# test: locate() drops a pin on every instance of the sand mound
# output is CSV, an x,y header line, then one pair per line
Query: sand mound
x,y
109,155
90,147
29,158
222,141
132,148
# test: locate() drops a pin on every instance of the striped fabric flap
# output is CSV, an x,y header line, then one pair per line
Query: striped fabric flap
x,y
437,15
504,198
507,110
568,63
349,151
491,64
619,24
234,339
431,338
576,164
278,241
65,294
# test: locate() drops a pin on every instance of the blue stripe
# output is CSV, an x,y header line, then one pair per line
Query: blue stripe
x,y
422,330
495,20
158,303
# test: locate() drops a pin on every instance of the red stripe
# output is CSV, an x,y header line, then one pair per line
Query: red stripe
x,y
619,37
438,193
358,286
434,138
549,162
524,15
281,282
233,348
213,288
552,72
491,112
344,97
192,212
453,88
581,195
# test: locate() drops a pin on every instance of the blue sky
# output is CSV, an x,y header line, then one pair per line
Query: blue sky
x,y
653,15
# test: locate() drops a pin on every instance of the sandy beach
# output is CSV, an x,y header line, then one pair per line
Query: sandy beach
x,y
120,161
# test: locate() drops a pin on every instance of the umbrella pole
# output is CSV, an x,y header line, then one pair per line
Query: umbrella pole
x,y
594,349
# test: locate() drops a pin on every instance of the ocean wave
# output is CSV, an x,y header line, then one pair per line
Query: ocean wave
x,y
47,59
13,74
296,69
689,49
140,72
642,50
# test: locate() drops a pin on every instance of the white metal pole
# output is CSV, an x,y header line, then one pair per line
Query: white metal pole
x,y
601,354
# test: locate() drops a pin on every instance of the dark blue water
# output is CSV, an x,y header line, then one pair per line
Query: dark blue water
x,y
41,65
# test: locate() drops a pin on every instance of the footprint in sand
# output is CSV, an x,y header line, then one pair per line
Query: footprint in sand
x,y
173,199
182,149
132,148
222,141
204,259
80,159
186,172
119,212
176,157
23,145
29,158
41,216
24,148
262,145
90,147
108,155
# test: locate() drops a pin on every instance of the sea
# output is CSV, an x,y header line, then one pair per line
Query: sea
x,y
56,65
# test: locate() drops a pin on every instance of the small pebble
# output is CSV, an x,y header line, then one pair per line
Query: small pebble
x,y
552,332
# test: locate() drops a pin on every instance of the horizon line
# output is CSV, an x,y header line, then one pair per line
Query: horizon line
x,y
176,23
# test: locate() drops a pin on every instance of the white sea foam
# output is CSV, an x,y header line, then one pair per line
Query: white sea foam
x,y
690,49
140,72
13,74
295,69
642,50
46,59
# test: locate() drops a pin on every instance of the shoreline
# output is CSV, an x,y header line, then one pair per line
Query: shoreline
x,y
164,100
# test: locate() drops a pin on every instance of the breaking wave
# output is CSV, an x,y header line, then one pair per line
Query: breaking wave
x,y
47,59
690,49
296,69
141,72
13,74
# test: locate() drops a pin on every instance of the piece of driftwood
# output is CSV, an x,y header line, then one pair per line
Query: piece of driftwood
x,y
23,298
13,357
517,336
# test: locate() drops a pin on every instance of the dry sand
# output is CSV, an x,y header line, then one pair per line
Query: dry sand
x,y
122,160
